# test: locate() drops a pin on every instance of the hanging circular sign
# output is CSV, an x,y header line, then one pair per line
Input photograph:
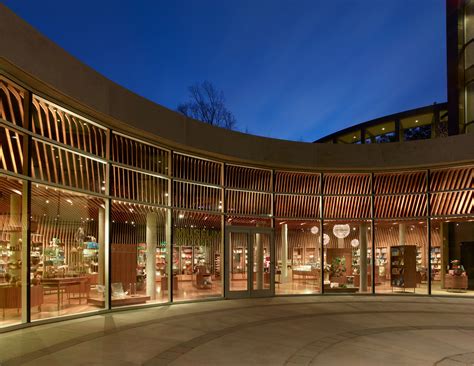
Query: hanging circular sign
x,y
326,239
341,231
314,230
355,243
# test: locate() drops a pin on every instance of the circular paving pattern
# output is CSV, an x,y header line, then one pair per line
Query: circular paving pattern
x,y
278,331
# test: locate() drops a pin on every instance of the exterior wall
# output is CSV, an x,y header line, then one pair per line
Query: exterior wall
x,y
174,168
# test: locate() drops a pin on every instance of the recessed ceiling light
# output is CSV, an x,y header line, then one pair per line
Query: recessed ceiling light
x,y
416,121
383,128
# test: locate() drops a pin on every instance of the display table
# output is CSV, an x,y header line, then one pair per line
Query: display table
x,y
10,297
305,273
130,300
202,281
69,285
455,282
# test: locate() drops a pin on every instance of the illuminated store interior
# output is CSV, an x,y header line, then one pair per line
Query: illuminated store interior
x,y
94,216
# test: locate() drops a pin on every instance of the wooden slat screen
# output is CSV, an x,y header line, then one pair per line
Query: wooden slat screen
x,y
297,206
248,221
342,183
405,182
289,182
11,102
248,203
396,206
196,197
194,169
65,127
136,186
452,203
347,207
452,179
248,178
11,150
139,155
57,165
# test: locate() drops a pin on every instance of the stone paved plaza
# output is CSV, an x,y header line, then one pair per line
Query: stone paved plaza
x,y
336,330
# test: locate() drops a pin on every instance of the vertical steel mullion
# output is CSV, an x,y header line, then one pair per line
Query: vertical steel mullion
x,y
108,222
321,211
223,245
272,239
372,229
170,226
26,214
428,226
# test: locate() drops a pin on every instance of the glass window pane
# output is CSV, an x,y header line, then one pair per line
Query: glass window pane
x,y
452,256
67,252
140,247
11,150
347,257
401,256
60,125
197,255
11,247
298,257
11,102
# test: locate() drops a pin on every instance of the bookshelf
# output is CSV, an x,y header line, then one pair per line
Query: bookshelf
x,y
403,266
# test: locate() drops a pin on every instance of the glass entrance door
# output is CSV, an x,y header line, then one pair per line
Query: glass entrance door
x,y
249,262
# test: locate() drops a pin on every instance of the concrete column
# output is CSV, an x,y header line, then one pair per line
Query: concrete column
x,y
340,243
15,236
363,257
401,234
284,253
101,242
259,261
151,226
444,250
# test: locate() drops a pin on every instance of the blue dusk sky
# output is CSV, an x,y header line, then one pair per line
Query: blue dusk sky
x,y
291,69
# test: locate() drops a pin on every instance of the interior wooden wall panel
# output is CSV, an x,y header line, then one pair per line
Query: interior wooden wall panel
x,y
11,102
198,170
346,183
413,205
139,155
403,182
347,206
290,182
452,179
202,197
59,125
297,206
248,178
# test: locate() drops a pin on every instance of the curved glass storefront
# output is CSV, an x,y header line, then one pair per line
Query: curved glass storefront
x,y
94,219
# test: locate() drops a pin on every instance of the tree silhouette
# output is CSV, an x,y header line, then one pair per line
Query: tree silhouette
x,y
207,104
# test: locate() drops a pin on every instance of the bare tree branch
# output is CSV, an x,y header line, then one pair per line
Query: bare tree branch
x,y
207,104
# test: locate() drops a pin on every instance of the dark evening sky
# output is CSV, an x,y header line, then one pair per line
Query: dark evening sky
x,y
289,69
